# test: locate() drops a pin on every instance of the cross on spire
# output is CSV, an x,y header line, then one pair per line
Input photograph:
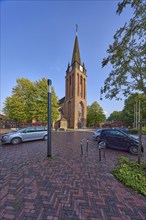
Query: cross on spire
x,y
76,29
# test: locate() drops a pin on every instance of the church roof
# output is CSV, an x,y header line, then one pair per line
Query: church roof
x,y
76,52
62,100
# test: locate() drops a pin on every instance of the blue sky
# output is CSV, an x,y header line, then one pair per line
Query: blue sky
x,y
37,39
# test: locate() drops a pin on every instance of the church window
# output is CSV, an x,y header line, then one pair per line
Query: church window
x,y
81,86
78,85
80,115
72,84
67,88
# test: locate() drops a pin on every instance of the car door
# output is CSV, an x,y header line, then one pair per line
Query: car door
x,y
118,140
28,134
108,136
40,132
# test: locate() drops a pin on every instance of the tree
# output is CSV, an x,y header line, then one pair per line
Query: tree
x,y
116,116
95,114
40,104
41,99
130,111
127,54
29,102
19,106
55,105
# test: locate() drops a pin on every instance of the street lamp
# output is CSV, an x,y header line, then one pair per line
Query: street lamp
x,y
49,117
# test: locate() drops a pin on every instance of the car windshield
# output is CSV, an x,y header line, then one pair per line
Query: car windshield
x,y
98,131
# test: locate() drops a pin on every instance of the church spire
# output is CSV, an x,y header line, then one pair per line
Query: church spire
x,y
76,52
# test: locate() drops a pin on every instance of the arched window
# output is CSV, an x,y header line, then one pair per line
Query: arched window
x,y
80,115
69,114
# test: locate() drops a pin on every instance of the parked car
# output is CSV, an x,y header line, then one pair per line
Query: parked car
x,y
25,134
116,139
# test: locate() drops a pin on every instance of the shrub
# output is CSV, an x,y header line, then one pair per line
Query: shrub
x,y
131,174
133,131
144,130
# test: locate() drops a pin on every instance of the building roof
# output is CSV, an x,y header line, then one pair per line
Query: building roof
x,y
76,52
62,100
2,115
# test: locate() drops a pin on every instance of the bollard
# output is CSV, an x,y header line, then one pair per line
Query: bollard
x,y
81,148
101,148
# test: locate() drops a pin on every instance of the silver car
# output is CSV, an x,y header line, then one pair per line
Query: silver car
x,y
25,134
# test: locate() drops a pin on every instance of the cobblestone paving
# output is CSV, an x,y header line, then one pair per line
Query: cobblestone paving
x,y
68,186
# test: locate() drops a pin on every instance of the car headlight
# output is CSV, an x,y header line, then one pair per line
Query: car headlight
x,y
5,137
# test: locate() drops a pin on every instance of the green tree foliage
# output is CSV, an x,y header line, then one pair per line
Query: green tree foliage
x,y
19,106
116,116
95,115
55,105
127,54
40,104
130,108
129,111
29,102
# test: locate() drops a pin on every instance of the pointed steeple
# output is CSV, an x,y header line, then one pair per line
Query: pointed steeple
x,y
76,52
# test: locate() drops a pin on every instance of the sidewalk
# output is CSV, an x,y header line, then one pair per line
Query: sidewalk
x,y
4,130
68,186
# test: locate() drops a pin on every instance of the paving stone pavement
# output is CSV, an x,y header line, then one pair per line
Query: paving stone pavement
x,y
67,186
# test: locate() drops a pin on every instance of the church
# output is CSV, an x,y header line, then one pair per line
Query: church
x,y
73,107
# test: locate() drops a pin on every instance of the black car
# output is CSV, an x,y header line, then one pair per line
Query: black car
x,y
116,139
126,130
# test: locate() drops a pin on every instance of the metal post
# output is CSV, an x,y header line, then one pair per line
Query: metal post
x,y
49,117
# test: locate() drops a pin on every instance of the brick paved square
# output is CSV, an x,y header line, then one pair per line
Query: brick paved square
x,y
67,186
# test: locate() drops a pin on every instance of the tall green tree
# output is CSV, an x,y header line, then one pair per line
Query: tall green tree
x,y
29,102
95,114
134,106
19,106
116,116
127,54
130,111
41,100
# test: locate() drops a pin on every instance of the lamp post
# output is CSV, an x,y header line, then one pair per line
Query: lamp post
x,y
49,117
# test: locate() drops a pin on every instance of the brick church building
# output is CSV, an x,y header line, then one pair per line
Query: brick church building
x,y
73,107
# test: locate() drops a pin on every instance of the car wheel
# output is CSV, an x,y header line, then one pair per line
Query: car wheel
x,y
133,149
102,144
45,137
16,140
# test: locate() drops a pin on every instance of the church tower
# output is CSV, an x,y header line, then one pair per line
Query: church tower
x,y
75,106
